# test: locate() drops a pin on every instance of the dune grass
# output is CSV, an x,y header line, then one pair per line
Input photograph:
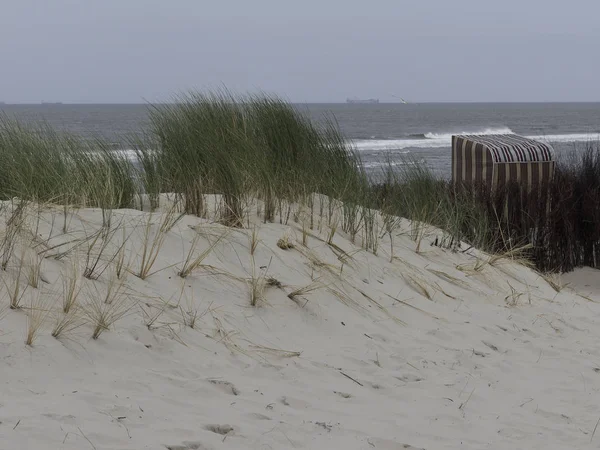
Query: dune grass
x,y
556,227
13,227
66,323
16,289
240,150
44,165
245,146
106,305
195,258
152,243
220,155
37,311
71,284
204,143
302,291
257,284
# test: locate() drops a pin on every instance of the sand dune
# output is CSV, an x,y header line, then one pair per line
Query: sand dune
x,y
343,349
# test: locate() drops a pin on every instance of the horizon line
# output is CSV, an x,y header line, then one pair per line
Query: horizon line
x,y
4,103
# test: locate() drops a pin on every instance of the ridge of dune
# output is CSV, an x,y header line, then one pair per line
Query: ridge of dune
x,y
437,349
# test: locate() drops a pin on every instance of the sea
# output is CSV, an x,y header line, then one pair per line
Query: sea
x,y
394,133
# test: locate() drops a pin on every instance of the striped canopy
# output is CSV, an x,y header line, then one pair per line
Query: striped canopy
x,y
506,148
497,159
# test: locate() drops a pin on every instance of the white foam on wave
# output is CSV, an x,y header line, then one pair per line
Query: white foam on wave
x,y
448,136
382,144
577,137
129,154
376,164
429,140
438,140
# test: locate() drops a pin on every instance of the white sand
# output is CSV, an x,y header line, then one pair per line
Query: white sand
x,y
473,368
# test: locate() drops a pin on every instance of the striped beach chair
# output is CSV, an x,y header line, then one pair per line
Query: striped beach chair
x,y
498,159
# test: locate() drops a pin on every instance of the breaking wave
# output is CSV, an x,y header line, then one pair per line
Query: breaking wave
x,y
444,139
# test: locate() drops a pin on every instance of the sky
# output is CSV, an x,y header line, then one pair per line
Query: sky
x,y
132,51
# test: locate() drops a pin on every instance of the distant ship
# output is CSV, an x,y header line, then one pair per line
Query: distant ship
x,y
358,100
51,103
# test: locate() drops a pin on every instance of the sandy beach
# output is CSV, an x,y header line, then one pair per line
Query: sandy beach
x,y
299,225
343,348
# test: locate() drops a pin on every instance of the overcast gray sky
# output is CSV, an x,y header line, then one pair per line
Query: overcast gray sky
x,y
128,51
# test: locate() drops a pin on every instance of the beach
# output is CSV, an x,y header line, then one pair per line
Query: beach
x,y
299,225
343,348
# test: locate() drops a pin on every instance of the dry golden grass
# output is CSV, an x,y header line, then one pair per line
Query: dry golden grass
x,y
151,246
472,268
225,337
98,255
67,323
152,242
418,285
418,232
332,230
382,308
305,234
171,217
191,313
151,313
345,258
37,312
34,268
405,303
301,292
277,352
390,224
285,243
152,309
254,240
14,286
106,306
555,281
257,285
371,230
71,286
194,259
449,278
318,264
274,282
512,299
347,300
121,267
14,226
516,255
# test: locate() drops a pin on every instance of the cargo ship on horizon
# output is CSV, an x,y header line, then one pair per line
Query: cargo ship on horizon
x,y
358,100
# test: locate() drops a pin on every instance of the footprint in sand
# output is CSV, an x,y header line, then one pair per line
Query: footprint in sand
x,y
342,394
188,446
259,416
295,403
225,386
409,378
386,444
69,419
219,429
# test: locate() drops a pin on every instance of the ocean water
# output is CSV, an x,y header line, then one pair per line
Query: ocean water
x,y
380,132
